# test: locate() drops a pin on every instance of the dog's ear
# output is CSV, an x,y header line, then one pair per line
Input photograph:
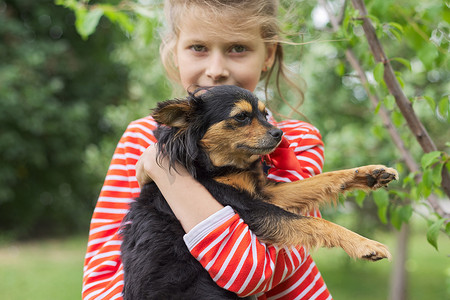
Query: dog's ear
x,y
173,113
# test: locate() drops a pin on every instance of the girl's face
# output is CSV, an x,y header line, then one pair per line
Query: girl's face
x,y
206,57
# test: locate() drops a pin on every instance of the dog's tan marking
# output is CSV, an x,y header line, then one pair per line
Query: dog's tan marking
x,y
243,181
224,151
261,107
241,106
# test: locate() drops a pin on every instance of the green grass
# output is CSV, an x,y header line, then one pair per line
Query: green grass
x,y
52,269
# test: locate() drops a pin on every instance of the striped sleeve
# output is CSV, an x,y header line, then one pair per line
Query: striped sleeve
x,y
103,271
238,262
234,257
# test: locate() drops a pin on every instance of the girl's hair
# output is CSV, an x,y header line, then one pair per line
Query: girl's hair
x,y
239,13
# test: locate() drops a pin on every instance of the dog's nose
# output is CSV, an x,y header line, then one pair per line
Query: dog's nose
x,y
276,133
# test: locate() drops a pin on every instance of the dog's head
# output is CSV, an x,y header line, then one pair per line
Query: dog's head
x,y
228,124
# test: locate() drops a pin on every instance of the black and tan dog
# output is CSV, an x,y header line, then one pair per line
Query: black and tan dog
x,y
219,134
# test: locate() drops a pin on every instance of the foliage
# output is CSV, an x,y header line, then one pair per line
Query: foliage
x,y
418,26
54,89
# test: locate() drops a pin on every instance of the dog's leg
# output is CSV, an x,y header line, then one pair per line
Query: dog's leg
x,y
304,195
316,232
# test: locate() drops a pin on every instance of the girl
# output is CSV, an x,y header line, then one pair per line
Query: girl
x,y
210,42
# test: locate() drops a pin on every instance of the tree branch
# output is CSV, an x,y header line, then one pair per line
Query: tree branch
x,y
395,89
384,114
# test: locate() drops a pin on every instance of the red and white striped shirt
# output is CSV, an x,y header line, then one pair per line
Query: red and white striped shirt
x,y
222,243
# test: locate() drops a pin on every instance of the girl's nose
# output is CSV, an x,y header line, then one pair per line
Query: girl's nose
x,y
217,69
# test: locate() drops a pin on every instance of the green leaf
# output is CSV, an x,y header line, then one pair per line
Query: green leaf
x,y
359,197
87,21
402,195
374,19
446,14
427,183
389,102
409,180
443,107
378,72
430,102
382,214
381,198
415,193
406,213
400,215
397,34
433,232
394,29
346,25
377,109
119,17
340,69
400,81
72,4
397,118
378,131
396,218
436,174
396,26
430,158
403,61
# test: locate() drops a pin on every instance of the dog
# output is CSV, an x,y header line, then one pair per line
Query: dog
x,y
219,135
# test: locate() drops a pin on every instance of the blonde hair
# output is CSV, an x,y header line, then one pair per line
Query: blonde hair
x,y
240,14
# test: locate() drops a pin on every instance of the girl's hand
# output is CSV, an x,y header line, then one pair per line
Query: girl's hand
x,y
149,168
145,165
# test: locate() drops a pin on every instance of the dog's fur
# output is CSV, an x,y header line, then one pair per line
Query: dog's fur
x,y
219,135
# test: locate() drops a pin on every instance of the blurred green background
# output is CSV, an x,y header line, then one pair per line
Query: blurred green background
x,y
65,101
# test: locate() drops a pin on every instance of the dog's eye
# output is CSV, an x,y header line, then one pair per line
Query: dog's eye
x,y
242,117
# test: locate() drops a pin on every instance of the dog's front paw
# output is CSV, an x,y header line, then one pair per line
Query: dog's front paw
x,y
377,176
374,251
368,250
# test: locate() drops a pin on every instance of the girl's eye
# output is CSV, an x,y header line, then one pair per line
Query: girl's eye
x,y
238,49
198,48
242,117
